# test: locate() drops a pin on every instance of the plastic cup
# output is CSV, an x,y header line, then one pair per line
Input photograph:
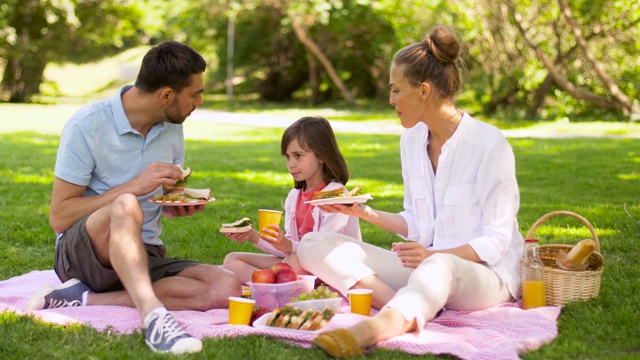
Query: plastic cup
x,y
240,310
267,217
360,300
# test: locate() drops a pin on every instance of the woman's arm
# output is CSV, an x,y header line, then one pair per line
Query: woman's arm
x,y
412,254
388,221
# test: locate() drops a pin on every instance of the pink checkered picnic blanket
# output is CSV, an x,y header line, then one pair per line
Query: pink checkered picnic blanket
x,y
502,332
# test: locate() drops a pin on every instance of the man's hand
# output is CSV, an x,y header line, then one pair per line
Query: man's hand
x,y
157,174
180,211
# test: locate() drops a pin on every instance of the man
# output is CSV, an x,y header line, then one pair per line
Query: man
x,y
114,155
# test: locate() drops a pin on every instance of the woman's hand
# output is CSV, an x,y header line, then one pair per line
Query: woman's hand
x,y
249,235
411,254
276,238
355,209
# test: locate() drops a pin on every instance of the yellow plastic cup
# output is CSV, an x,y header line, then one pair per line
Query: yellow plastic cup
x,y
360,300
240,310
267,217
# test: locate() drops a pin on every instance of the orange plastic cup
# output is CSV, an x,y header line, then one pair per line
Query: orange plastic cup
x,y
240,310
360,300
267,217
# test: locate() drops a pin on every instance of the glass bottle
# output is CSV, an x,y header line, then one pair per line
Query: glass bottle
x,y
532,272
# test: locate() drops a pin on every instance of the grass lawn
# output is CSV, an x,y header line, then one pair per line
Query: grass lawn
x,y
594,177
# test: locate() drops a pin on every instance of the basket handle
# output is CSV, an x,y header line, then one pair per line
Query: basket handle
x,y
568,213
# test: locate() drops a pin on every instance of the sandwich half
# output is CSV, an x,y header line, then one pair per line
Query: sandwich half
x,y
239,226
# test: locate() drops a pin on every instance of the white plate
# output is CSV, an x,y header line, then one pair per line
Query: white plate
x,y
182,203
341,200
261,323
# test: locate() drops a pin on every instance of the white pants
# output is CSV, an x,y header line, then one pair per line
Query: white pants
x,y
442,280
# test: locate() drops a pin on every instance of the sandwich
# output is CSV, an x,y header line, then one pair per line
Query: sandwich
x,y
339,192
239,226
290,317
326,194
180,183
184,195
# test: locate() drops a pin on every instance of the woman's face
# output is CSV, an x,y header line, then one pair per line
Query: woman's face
x,y
406,98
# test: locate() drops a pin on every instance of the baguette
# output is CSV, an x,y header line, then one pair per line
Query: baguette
x,y
576,259
581,252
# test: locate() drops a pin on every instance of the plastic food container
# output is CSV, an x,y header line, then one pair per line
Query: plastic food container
x,y
319,304
273,296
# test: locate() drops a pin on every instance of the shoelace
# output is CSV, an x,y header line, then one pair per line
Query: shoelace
x,y
166,329
55,303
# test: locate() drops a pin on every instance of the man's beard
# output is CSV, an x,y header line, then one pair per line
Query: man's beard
x,y
173,113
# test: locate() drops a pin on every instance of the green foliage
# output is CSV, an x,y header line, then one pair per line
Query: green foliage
x,y
359,38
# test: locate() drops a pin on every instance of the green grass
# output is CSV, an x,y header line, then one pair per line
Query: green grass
x,y
595,177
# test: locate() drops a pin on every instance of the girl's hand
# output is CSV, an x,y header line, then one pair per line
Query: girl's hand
x,y
249,235
276,238
411,254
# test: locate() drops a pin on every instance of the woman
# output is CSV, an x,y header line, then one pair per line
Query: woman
x,y
460,205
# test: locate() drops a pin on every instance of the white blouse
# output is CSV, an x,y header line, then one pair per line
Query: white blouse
x,y
472,199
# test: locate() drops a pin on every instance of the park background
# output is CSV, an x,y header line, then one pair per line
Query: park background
x,y
565,75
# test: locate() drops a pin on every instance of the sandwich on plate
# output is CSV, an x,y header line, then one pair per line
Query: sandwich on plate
x,y
290,317
184,195
339,192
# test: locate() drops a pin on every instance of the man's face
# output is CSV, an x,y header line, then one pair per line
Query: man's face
x,y
185,101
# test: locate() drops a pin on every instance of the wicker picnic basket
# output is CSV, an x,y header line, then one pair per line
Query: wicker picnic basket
x,y
562,286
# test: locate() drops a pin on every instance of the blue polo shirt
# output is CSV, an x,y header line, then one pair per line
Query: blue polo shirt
x,y
100,150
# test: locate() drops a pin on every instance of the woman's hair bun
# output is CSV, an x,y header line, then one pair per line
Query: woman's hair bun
x,y
443,44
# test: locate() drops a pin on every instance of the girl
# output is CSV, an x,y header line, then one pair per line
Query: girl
x,y
315,163
460,205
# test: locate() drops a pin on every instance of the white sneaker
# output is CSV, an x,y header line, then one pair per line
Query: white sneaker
x,y
68,294
165,335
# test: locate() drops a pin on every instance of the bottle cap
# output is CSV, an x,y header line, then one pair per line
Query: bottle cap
x,y
531,241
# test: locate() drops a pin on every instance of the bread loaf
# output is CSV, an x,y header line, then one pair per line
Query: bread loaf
x,y
581,252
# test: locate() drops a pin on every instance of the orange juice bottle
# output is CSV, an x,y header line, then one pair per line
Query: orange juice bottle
x,y
532,271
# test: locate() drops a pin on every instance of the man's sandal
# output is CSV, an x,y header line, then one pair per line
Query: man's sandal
x,y
338,343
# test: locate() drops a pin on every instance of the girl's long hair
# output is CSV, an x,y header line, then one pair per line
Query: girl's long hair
x,y
314,133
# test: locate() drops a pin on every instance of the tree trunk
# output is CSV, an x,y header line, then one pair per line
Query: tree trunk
x,y
541,95
561,81
313,79
23,76
505,99
306,40
597,66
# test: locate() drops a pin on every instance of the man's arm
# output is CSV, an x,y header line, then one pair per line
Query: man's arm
x,y
68,205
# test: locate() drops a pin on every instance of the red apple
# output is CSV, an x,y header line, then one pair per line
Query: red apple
x,y
258,312
263,276
280,266
286,275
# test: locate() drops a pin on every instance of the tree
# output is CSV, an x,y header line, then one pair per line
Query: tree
x,y
614,99
301,29
39,31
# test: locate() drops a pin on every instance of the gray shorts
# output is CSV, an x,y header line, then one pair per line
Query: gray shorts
x,y
75,259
